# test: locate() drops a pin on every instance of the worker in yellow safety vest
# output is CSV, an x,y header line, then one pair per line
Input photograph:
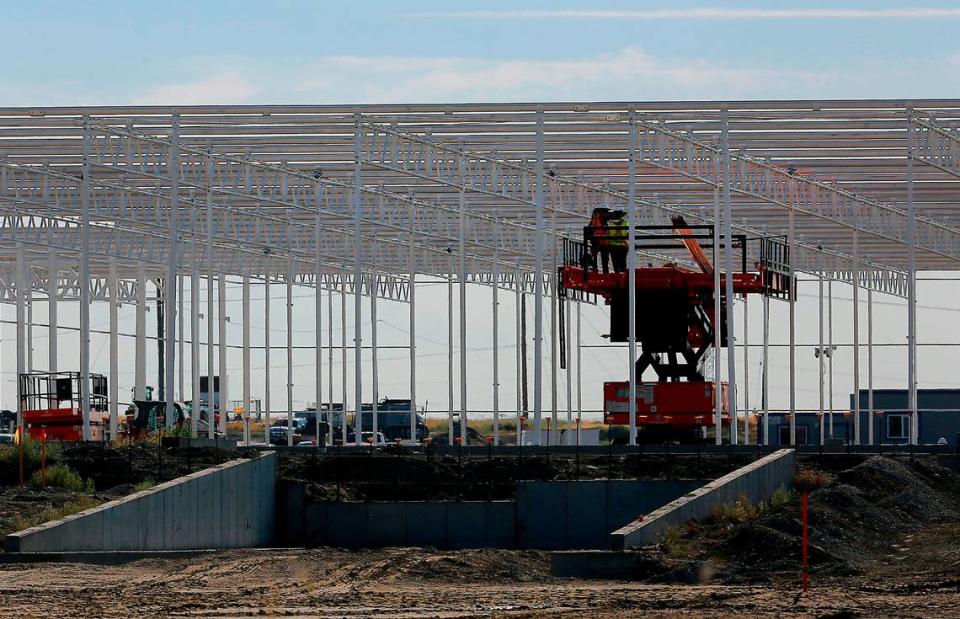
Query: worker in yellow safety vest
x,y
617,230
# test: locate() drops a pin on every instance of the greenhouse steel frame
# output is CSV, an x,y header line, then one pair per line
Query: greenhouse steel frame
x,y
362,200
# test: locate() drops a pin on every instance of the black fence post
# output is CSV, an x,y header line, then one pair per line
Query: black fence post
x,y
576,453
699,461
609,460
489,471
460,471
336,470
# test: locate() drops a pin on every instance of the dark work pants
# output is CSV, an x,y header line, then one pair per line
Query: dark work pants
x,y
618,256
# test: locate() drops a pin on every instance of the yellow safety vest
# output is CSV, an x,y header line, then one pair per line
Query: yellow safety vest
x,y
618,231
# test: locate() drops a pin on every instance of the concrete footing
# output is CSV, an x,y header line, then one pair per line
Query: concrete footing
x,y
605,564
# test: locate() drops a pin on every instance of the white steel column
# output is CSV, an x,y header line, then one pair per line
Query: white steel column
x,y
820,354
746,372
357,280
140,348
830,353
375,378
211,370
222,345
717,322
84,283
462,289
569,378
911,288
538,282
22,292
266,359
318,335
496,333
290,276
343,364
246,359
632,274
728,278
412,257
194,340
330,416
554,334
171,292
765,375
30,366
413,353
869,362
793,334
182,397
518,304
579,371
450,437
113,387
53,285
856,341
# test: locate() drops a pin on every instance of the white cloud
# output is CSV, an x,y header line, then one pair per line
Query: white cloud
x,y
708,13
630,73
229,87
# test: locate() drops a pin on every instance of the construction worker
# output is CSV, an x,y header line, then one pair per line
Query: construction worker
x,y
617,240
596,235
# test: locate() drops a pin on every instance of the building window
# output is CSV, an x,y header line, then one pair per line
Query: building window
x,y
897,426
785,435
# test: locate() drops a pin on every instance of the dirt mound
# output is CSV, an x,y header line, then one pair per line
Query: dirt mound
x,y
853,520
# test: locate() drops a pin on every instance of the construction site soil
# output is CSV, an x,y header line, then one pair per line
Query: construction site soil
x,y
885,542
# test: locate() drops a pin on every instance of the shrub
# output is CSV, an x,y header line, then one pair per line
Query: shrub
x,y
782,496
146,484
810,479
62,476
740,511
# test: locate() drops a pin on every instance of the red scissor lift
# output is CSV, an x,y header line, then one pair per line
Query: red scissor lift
x,y
50,402
675,324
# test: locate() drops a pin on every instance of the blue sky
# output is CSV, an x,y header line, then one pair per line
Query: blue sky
x,y
300,51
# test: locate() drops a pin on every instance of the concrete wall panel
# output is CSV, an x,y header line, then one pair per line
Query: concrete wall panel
x,y
202,510
757,481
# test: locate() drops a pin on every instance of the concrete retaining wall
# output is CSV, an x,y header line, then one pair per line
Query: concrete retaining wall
x,y
547,515
581,514
757,481
227,506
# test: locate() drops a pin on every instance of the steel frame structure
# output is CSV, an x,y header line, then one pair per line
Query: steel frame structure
x,y
98,203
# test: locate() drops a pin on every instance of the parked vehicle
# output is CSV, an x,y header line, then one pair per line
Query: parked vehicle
x,y
393,419
367,439
278,431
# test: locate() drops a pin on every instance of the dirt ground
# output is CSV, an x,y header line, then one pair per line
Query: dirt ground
x,y
885,542
920,579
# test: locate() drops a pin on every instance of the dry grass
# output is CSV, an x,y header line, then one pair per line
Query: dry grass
x,y
21,522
